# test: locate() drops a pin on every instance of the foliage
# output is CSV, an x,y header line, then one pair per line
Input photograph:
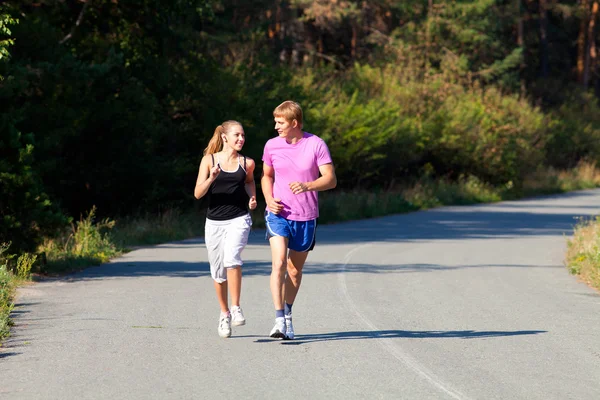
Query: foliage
x,y
5,21
88,243
583,254
7,288
26,212
110,103
396,125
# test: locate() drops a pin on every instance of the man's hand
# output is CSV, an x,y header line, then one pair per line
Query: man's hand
x,y
298,187
275,206
252,203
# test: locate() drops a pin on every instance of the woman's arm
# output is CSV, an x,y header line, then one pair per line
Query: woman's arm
x,y
206,176
250,184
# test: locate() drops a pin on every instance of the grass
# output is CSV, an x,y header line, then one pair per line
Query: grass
x,y
87,242
583,254
7,290
14,271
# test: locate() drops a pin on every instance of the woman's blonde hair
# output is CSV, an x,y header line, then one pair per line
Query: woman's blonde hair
x,y
290,110
216,142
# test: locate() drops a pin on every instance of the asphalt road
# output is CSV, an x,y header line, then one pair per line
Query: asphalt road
x,y
453,303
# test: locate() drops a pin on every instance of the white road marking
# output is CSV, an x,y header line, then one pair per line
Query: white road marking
x,y
395,350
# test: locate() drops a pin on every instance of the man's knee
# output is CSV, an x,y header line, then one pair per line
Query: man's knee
x,y
293,271
280,266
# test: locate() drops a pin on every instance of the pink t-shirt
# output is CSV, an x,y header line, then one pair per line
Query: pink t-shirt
x,y
298,162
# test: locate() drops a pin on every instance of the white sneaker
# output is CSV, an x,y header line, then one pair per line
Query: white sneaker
x,y
224,328
289,328
237,317
278,330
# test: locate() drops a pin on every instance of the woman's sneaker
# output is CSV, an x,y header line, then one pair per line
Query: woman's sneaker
x,y
224,328
289,328
278,330
237,317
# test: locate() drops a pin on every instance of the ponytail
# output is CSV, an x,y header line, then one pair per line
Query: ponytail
x,y
216,142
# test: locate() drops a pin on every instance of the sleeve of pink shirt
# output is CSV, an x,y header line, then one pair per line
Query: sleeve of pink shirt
x,y
267,155
323,155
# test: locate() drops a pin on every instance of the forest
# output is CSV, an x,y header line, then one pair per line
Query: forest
x,y
107,105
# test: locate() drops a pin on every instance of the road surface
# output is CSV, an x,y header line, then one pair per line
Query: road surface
x,y
452,303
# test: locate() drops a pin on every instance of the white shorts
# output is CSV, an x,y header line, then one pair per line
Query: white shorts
x,y
225,241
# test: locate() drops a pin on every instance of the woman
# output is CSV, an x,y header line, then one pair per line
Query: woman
x,y
227,178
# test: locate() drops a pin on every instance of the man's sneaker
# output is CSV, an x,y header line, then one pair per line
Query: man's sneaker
x,y
289,328
278,330
224,328
237,317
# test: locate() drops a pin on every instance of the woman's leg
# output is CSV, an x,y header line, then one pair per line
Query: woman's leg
x,y
234,277
221,289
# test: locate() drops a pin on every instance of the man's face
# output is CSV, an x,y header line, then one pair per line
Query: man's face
x,y
283,126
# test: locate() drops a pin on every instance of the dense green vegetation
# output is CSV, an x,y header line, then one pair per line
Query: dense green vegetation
x,y
106,105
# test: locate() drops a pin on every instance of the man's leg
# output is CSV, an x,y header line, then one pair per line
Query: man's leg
x,y
293,280
279,264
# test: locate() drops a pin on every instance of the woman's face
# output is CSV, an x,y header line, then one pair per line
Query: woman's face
x,y
235,137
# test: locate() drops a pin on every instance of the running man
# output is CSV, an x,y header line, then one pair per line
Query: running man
x,y
296,165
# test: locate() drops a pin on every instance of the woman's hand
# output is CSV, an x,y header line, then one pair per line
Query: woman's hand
x,y
252,203
214,172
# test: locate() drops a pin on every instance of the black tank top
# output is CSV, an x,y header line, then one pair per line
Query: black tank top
x,y
227,197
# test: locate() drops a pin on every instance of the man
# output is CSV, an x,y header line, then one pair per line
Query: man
x,y
296,165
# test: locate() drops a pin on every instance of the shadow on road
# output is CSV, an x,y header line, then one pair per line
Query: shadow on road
x,y
393,334
6,354
534,217
256,268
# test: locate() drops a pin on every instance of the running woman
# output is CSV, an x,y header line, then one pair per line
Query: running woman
x,y
227,178
296,165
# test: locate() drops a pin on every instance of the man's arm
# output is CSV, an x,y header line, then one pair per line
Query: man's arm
x,y
266,183
326,181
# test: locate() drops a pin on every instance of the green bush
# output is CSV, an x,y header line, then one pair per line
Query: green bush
x,y
88,243
384,125
7,286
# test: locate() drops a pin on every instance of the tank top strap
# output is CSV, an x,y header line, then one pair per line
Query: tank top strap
x,y
240,162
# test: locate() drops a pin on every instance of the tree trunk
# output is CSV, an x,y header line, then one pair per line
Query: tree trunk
x,y
590,56
543,38
521,44
353,41
581,40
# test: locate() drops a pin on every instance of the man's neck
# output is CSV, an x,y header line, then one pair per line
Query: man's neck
x,y
295,136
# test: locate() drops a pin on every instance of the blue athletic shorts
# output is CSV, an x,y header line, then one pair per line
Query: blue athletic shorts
x,y
300,234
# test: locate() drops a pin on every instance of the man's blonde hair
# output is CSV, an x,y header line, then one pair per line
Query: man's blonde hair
x,y
290,110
